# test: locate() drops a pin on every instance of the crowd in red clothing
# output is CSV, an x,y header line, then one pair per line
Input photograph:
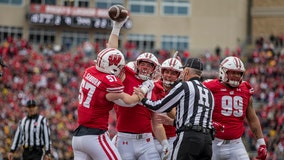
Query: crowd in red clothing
x,y
265,73
53,80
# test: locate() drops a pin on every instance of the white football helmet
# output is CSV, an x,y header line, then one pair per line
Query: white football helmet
x,y
132,65
111,61
151,58
231,64
171,64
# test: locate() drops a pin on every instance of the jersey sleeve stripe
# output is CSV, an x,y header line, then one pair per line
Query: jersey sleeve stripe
x,y
115,89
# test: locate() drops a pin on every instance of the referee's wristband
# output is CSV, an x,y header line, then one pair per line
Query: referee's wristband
x,y
144,100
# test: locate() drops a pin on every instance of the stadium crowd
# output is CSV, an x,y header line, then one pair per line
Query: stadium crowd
x,y
53,79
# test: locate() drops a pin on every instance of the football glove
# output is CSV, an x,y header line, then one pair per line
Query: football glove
x,y
117,26
166,150
261,149
218,126
147,86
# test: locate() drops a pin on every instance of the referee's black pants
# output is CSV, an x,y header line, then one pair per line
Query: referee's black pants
x,y
192,145
33,153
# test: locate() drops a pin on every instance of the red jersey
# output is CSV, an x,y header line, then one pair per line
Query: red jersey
x,y
135,119
230,107
93,108
169,129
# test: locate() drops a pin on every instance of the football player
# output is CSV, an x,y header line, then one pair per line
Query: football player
x,y
134,139
170,71
100,87
234,104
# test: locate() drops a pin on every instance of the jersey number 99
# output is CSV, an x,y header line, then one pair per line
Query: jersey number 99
x,y
232,106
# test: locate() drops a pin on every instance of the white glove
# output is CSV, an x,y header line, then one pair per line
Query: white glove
x,y
261,149
147,86
166,150
260,142
117,25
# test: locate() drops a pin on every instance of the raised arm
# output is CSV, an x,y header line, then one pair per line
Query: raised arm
x,y
113,38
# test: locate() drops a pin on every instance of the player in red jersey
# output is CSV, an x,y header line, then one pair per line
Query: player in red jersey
x,y
134,139
100,88
170,69
233,103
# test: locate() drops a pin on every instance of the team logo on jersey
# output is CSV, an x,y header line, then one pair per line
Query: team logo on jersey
x,y
232,92
114,59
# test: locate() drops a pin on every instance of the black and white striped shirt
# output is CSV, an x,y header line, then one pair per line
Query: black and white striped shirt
x,y
193,101
32,132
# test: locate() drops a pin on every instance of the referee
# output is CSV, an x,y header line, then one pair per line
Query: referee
x,y
33,134
194,104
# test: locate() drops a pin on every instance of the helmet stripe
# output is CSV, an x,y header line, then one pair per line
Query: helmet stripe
x,y
223,62
148,55
238,63
172,62
102,53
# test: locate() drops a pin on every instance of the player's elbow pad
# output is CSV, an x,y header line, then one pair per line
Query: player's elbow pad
x,y
120,102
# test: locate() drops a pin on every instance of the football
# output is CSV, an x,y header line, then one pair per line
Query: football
x,y
117,13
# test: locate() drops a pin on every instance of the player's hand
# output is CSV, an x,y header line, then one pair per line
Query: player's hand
x,y
261,149
166,150
147,86
47,156
164,119
119,24
218,126
10,155
261,152
139,93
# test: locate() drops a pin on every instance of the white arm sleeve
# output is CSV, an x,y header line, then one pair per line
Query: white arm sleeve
x,y
120,102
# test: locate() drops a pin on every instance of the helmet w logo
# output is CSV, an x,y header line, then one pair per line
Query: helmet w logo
x,y
114,59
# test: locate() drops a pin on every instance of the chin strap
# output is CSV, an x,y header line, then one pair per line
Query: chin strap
x,y
168,83
143,77
233,83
